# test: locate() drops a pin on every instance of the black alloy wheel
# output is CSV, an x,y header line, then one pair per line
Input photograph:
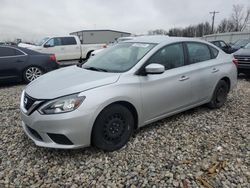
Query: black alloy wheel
x,y
113,128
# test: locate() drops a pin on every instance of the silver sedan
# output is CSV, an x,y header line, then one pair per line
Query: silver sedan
x,y
123,88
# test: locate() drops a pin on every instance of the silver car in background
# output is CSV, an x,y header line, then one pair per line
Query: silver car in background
x,y
127,86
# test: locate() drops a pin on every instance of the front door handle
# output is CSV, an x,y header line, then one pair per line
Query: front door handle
x,y
183,78
214,70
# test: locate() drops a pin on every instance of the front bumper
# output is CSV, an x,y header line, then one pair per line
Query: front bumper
x,y
65,131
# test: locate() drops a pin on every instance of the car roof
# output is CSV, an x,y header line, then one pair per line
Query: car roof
x,y
158,39
27,51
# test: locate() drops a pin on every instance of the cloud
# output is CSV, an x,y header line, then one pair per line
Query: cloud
x,y
30,20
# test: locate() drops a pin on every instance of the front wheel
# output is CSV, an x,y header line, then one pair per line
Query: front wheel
x,y
31,73
219,95
113,128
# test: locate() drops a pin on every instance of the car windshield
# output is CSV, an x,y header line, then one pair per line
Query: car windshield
x,y
118,58
42,41
247,46
241,43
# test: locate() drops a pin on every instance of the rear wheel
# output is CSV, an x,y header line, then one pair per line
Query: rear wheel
x,y
113,128
220,95
31,73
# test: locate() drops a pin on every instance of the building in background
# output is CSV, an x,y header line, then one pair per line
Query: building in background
x,y
99,36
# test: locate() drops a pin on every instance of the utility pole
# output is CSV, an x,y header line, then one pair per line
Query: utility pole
x,y
213,17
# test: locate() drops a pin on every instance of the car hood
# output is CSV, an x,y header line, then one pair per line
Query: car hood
x,y
69,80
243,52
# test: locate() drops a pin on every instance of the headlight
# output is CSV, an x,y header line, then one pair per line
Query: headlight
x,y
62,105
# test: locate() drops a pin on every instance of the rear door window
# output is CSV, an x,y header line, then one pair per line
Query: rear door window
x,y
6,52
171,56
198,52
68,41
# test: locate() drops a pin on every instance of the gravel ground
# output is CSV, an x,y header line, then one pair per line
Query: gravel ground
x,y
212,146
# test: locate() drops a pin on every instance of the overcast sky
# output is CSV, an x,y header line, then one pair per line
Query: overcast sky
x,y
34,19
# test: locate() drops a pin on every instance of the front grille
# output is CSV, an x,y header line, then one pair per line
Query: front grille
x,y
243,59
60,139
34,133
28,101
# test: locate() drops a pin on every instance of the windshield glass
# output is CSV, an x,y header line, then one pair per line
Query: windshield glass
x,y
247,46
118,58
42,41
241,43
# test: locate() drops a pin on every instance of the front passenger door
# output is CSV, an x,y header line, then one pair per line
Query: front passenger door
x,y
167,92
54,46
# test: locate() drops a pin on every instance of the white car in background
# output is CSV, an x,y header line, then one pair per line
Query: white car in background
x,y
121,39
67,49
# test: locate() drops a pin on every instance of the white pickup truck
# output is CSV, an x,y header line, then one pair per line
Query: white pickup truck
x,y
67,49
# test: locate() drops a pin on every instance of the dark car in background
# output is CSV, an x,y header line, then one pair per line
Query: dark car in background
x,y
21,64
223,45
243,57
239,44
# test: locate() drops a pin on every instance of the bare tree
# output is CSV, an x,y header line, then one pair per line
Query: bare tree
x,y
240,18
226,26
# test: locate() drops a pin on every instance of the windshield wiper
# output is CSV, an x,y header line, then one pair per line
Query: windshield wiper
x,y
95,69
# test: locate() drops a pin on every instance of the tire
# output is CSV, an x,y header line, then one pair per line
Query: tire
x,y
113,128
31,73
220,95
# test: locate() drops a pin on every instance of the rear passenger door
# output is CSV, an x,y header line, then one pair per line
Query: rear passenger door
x,y
204,70
71,49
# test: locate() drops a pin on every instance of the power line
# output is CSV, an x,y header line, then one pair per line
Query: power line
x,y
213,17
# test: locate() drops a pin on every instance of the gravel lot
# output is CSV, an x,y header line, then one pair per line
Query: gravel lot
x,y
173,152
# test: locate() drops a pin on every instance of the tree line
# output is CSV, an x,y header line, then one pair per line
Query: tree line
x,y
238,21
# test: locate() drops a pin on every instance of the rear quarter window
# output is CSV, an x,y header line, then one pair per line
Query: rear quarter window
x,y
6,51
214,51
68,41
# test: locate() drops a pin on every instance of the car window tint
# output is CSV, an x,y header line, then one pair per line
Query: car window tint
x,y
214,51
68,41
198,52
5,51
171,56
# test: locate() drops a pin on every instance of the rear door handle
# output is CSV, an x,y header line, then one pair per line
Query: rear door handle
x,y
183,78
214,70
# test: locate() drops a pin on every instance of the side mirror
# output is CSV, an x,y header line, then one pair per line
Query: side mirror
x,y
47,45
154,68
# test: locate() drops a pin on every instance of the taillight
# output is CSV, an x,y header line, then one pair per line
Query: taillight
x,y
52,57
236,62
